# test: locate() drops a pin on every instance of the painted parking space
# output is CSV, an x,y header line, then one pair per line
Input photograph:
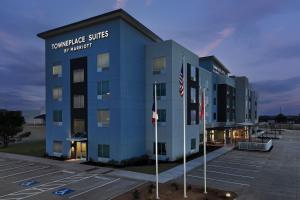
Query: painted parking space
x,y
29,180
232,171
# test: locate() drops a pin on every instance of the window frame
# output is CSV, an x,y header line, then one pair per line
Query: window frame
x,y
100,93
159,69
99,122
101,151
58,75
59,92
100,66
81,77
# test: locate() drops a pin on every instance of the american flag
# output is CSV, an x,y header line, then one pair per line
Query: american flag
x,y
181,82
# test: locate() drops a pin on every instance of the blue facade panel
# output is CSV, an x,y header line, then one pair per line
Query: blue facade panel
x,y
126,102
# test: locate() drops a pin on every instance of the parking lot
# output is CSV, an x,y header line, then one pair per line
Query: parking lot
x,y
256,175
29,180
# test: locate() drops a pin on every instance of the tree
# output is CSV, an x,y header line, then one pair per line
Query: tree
x,y
280,118
11,123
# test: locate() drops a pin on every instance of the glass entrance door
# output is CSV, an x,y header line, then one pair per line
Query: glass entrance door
x,y
81,150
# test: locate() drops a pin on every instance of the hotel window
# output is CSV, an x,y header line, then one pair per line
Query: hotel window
x,y
159,65
78,101
215,87
161,148
193,95
215,101
103,151
215,116
57,70
193,73
57,147
57,116
57,93
160,90
103,62
103,89
78,75
161,115
193,144
79,126
103,118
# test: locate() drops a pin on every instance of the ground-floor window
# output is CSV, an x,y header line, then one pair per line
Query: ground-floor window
x,y
193,144
57,146
161,148
103,151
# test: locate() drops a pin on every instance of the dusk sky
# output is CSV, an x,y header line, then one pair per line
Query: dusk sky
x,y
259,39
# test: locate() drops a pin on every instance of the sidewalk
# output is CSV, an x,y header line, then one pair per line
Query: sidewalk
x,y
163,177
176,171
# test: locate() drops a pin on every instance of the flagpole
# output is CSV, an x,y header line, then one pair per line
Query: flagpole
x,y
204,139
156,149
184,148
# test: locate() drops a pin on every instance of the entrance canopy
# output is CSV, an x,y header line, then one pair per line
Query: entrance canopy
x,y
78,137
245,124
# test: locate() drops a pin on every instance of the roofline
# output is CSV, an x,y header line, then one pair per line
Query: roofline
x,y
215,59
120,13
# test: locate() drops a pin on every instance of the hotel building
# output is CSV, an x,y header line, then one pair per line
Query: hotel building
x,y
100,74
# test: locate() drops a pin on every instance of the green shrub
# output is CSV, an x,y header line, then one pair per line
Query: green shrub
x,y
136,194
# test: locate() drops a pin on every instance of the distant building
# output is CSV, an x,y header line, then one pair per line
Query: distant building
x,y
100,74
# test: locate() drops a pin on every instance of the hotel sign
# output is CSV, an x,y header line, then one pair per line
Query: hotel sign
x,y
79,43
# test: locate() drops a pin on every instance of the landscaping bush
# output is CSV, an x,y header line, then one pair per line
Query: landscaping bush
x,y
174,186
136,194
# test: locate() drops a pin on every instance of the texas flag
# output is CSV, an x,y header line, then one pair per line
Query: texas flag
x,y
202,107
154,113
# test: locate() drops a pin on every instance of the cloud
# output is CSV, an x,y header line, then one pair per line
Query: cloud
x,y
120,4
221,36
274,94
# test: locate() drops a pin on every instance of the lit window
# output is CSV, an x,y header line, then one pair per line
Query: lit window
x,y
57,116
159,65
161,115
103,118
57,147
103,62
78,126
57,70
78,101
103,89
103,151
193,144
57,93
78,75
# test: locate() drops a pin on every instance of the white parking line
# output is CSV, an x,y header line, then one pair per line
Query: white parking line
x,y
219,180
55,172
8,169
250,170
32,170
235,163
99,186
14,163
44,187
230,174
242,160
123,192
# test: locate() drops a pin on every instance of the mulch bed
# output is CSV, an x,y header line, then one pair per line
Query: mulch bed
x,y
173,191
